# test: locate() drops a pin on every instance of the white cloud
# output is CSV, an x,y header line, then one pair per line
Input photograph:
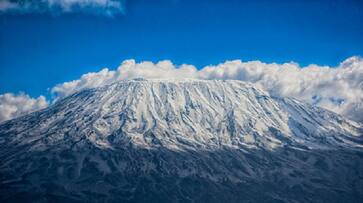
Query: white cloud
x,y
12,106
105,7
129,69
339,89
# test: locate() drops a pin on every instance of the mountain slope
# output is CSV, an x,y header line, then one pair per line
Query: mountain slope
x,y
188,140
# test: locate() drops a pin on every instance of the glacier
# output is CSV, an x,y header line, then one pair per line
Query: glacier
x,y
180,140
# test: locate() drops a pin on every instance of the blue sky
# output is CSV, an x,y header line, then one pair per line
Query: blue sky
x,y
41,49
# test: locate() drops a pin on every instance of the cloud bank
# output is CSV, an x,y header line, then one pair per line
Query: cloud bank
x,y
102,7
12,105
339,89
129,69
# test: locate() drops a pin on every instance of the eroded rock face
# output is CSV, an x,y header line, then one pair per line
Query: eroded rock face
x,y
181,141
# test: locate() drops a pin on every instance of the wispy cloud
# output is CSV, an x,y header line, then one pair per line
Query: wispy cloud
x,y
339,89
99,7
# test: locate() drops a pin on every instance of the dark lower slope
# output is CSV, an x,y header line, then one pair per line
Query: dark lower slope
x,y
139,175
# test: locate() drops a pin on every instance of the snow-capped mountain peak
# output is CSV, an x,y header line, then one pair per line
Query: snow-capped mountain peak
x,y
187,114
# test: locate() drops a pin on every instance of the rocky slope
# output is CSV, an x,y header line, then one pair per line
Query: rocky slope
x,y
181,141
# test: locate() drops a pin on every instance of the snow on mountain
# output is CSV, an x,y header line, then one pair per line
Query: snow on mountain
x,y
164,140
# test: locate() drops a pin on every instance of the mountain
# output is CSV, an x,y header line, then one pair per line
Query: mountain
x,y
180,141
